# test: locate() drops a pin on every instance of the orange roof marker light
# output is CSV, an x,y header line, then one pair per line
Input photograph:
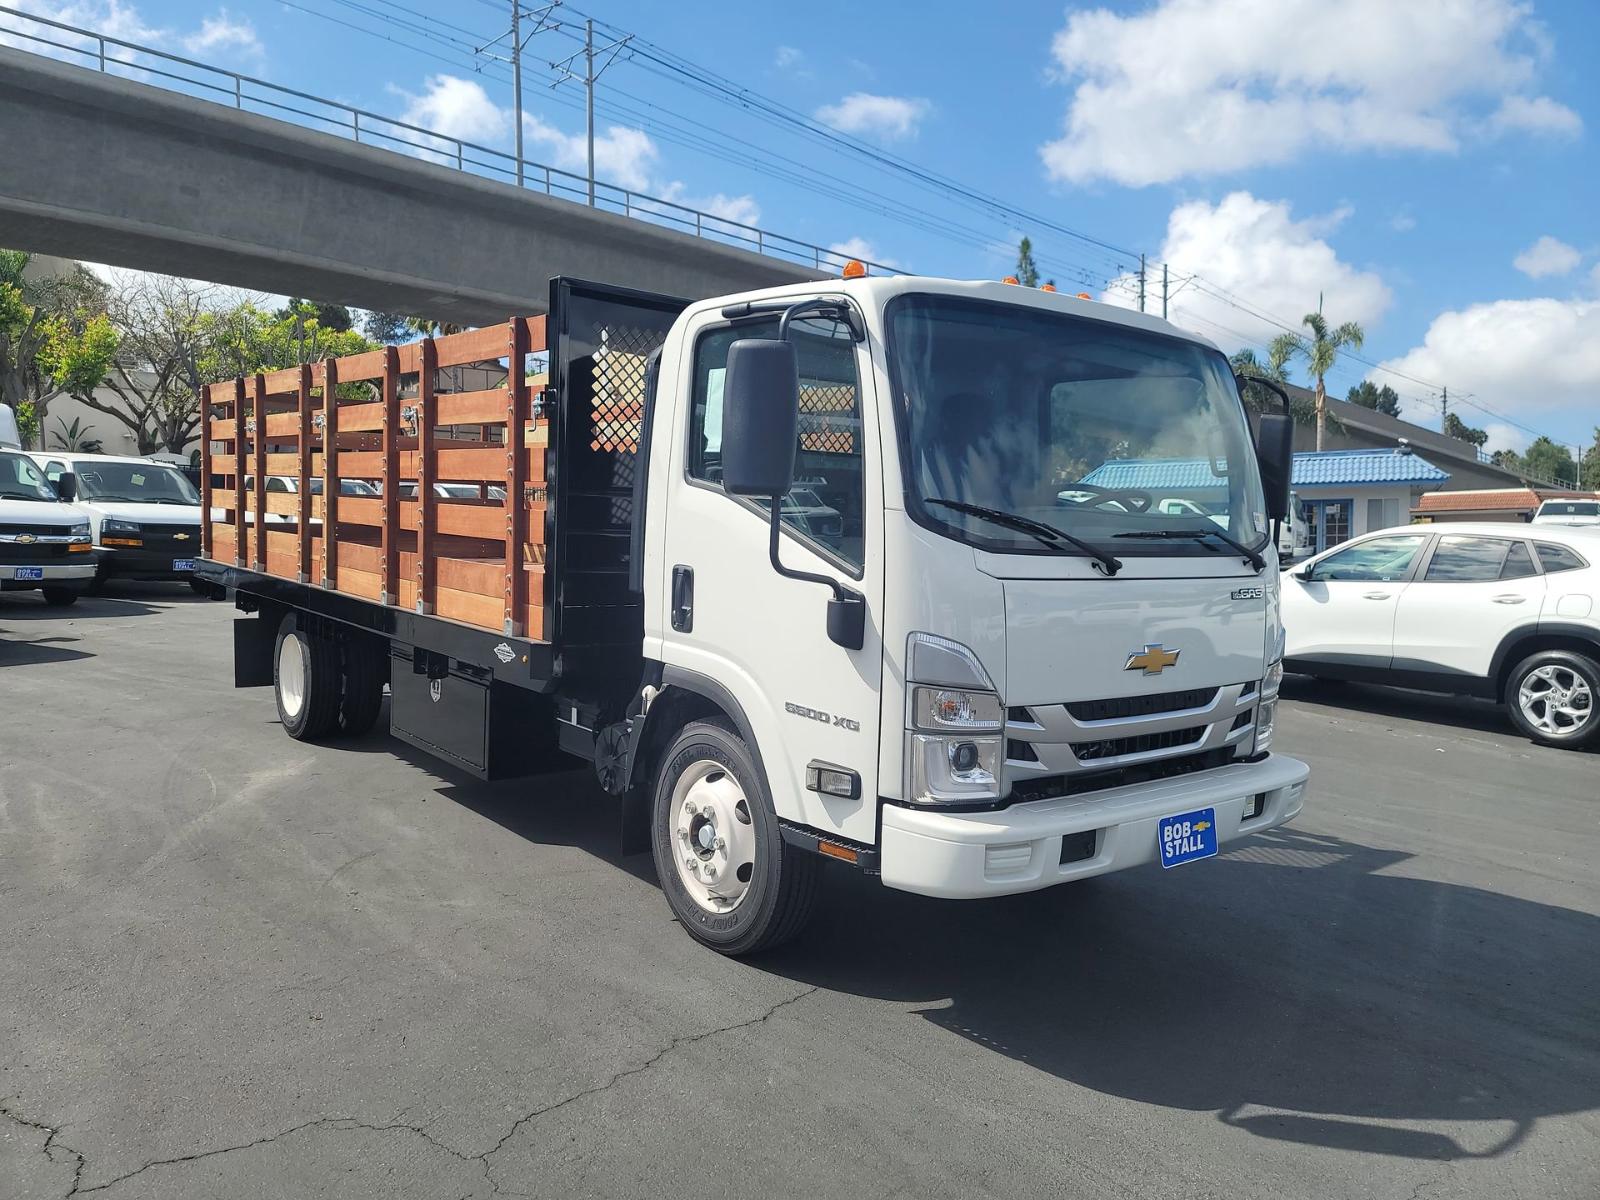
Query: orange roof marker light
x,y
854,269
1010,279
1085,296
1049,287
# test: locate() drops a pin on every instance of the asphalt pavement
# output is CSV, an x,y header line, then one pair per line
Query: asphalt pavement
x,y
232,965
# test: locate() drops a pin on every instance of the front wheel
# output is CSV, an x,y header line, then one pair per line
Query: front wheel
x,y
60,597
730,878
1551,698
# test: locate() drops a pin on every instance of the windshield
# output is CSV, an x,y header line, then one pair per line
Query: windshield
x,y
140,482
1101,431
21,479
1570,508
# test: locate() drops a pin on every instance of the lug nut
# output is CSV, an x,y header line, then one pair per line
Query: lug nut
x,y
721,844
711,870
689,864
690,807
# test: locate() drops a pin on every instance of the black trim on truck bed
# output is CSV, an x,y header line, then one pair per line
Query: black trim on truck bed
x,y
516,661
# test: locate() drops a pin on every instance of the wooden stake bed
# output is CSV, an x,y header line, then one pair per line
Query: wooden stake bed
x,y
412,476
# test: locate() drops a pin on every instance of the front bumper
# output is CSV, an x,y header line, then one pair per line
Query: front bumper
x,y
1018,849
128,563
54,572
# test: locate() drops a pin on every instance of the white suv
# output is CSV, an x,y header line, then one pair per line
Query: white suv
x,y
1568,512
1511,612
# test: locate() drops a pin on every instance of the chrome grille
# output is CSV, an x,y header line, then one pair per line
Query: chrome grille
x,y
1081,736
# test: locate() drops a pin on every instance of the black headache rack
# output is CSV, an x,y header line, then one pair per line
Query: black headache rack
x,y
603,341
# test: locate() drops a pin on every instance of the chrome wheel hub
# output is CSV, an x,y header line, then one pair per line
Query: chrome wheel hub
x,y
1556,699
713,839
291,676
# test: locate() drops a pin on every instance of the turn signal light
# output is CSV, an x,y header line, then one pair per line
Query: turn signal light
x,y
111,541
842,853
79,548
854,269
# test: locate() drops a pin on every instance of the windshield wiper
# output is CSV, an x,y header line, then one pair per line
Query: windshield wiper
x,y
1048,534
22,496
1250,556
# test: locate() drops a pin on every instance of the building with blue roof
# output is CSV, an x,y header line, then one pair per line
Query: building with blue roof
x,y
1338,493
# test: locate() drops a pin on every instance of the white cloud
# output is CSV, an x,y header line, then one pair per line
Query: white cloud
x,y
742,210
1201,87
1547,256
110,17
890,118
622,155
457,108
223,36
1255,250
788,57
1534,114
1402,222
1537,361
860,248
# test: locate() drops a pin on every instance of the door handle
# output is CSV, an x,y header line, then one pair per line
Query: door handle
x,y
683,598
1374,595
1509,599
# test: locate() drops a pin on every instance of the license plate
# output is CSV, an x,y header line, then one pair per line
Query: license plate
x,y
1187,836
30,573
183,564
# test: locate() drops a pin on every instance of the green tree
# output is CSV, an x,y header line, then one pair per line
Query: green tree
x,y
330,316
244,339
1320,349
1380,399
1455,427
1248,365
385,328
54,338
1027,269
1551,462
1590,477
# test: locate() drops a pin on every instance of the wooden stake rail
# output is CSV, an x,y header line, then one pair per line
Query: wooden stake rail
x,y
348,474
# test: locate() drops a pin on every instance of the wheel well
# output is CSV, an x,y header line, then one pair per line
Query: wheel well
x,y
671,710
1514,652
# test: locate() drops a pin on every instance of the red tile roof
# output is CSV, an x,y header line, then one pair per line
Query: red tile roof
x,y
1492,500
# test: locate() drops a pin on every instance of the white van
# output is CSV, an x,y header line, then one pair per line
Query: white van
x,y
44,544
145,515
10,435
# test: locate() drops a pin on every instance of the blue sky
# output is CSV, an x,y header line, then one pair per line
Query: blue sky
x,y
1428,168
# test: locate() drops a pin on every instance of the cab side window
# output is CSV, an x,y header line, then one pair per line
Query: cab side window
x,y
54,470
1469,559
825,506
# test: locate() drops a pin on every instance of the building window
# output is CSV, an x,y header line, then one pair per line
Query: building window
x,y
1382,512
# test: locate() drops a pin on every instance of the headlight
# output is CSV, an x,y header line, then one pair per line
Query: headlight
x,y
112,525
1272,681
1267,709
81,529
954,749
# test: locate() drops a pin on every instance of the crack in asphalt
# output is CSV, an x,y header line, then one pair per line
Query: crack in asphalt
x,y
53,1144
52,1133
683,1040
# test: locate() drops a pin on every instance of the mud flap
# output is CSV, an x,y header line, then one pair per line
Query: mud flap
x,y
254,639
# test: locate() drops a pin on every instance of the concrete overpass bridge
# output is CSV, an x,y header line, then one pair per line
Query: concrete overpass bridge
x,y
97,167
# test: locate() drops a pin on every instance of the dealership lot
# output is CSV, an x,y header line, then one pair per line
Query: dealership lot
x,y
239,965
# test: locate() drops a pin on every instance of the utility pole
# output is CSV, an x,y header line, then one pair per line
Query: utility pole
x,y
516,75
1163,291
588,80
1444,405
1141,283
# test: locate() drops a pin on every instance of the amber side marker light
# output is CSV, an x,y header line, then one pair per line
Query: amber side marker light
x,y
842,853
1049,287
1085,296
854,269
1011,279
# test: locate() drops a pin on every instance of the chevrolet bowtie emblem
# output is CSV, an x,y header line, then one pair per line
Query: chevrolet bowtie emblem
x,y
1152,660
180,537
25,539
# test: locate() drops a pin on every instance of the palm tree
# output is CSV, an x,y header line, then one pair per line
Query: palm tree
x,y
1321,351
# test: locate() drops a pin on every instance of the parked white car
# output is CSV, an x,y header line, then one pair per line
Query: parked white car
x,y
145,515
1568,512
1504,611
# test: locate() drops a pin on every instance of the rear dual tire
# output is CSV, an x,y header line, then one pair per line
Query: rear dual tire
x,y
324,686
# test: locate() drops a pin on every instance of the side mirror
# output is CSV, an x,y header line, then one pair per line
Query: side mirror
x,y
760,417
1275,453
67,487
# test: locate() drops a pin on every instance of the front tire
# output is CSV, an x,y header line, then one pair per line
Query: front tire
x,y
724,867
1551,697
60,597
305,681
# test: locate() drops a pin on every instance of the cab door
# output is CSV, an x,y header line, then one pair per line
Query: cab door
x,y
731,617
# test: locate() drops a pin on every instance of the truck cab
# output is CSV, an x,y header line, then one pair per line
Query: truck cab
x,y
45,545
1047,671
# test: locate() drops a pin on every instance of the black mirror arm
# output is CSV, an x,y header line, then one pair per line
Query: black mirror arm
x,y
1239,381
847,611
837,309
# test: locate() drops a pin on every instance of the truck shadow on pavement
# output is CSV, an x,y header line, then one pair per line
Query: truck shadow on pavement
x,y
1296,986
